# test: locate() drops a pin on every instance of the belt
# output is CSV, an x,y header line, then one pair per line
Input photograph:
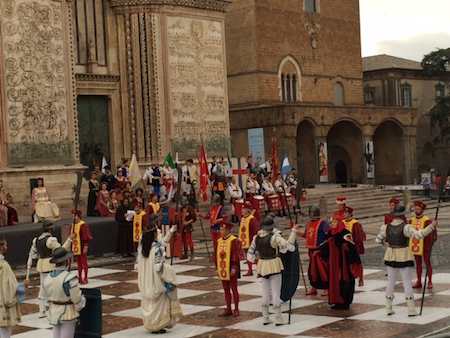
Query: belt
x,y
60,303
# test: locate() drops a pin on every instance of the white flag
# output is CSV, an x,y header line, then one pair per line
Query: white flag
x,y
135,173
104,165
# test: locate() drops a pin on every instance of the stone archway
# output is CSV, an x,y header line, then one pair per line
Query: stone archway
x,y
345,153
389,154
306,152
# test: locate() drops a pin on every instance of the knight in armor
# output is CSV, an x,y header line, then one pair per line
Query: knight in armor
x,y
248,229
398,258
358,234
421,248
228,267
41,249
65,299
81,236
265,249
315,234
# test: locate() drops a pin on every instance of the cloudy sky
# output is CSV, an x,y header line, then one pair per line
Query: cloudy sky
x,y
405,28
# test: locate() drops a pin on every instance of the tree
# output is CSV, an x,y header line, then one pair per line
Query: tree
x,y
438,63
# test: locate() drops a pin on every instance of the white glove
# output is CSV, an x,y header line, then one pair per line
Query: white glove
x,y
173,229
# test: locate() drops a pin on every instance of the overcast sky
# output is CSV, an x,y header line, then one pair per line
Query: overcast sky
x,y
405,28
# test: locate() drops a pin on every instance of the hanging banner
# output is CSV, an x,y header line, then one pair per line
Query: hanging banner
x,y
370,159
256,145
323,162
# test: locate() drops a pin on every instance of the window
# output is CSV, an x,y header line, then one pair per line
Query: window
x,y
311,6
406,95
369,95
289,77
339,94
440,90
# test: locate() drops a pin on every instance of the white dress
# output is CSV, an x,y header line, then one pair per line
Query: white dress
x,y
160,309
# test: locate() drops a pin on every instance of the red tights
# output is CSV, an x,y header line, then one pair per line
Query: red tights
x,y
229,287
427,260
82,263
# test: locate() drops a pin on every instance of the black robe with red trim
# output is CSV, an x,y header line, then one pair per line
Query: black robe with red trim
x,y
335,265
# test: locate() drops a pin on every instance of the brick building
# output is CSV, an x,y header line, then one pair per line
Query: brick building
x,y
295,71
394,81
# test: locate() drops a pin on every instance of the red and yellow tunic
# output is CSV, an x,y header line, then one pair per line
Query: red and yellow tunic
x,y
312,234
153,208
227,257
418,246
247,230
214,215
358,234
138,221
82,236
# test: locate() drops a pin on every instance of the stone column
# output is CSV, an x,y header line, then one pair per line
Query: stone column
x,y
410,161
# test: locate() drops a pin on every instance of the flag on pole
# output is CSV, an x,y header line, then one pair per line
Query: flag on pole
x,y
275,161
134,172
169,161
203,164
285,167
104,165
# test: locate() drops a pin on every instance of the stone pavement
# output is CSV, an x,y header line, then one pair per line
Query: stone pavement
x,y
202,299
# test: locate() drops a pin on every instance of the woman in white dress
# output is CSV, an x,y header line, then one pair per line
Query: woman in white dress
x,y
43,208
157,281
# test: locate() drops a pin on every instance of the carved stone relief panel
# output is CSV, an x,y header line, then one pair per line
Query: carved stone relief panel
x,y
198,104
36,81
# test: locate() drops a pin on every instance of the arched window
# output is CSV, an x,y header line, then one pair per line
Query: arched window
x,y
339,99
289,80
406,95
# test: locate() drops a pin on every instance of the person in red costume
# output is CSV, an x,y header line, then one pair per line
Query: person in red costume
x,y
340,212
336,265
393,202
228,267
248,228
315,234
422,247
81,236
215,216
358,234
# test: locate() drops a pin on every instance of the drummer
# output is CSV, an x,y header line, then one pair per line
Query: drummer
x,y
281,189
270,195
235,193
253,187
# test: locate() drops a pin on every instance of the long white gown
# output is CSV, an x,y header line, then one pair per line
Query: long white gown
x,y
160,310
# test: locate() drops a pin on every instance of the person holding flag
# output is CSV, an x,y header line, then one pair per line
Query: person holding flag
x,y
204,173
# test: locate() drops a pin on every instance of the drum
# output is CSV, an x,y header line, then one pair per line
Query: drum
x,y
238,206
274,203
258,203
290,200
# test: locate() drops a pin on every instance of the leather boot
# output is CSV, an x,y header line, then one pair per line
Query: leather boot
x,y
278,316
266,315
412,311
389,310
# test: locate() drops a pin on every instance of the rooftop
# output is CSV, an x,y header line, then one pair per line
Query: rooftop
x,y
384,61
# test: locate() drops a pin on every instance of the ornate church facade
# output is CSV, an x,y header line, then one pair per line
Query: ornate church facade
x,y
295,72
83,79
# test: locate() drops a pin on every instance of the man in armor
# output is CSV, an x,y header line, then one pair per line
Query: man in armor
x,y
265,248
64,295
41,249
398,257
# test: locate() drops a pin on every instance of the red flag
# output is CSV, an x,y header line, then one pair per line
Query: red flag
x,y
203,173
275,161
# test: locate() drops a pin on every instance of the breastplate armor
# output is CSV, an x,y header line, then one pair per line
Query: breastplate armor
x,y
264,249
41,246
395,237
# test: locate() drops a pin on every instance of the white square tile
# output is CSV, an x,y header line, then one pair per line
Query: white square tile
x,y
441,278
42,333
444,293
96,272
180,330
182,279
299,324
182,293
368,272
255,304
379,298
132,296
98,283
429,315
371,285
189,309
136,313
183,267
33,320
253,289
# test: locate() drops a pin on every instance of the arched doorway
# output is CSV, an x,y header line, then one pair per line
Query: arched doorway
x,y
345,153
389,154
306,154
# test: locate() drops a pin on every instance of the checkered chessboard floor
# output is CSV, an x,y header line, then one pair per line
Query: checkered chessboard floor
x,y
202,301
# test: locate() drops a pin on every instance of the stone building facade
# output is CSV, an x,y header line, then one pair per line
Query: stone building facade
x,y
394,81
82,79
295,71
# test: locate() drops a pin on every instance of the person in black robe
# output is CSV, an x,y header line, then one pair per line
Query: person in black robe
x,y
125,236
92,197
335,265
